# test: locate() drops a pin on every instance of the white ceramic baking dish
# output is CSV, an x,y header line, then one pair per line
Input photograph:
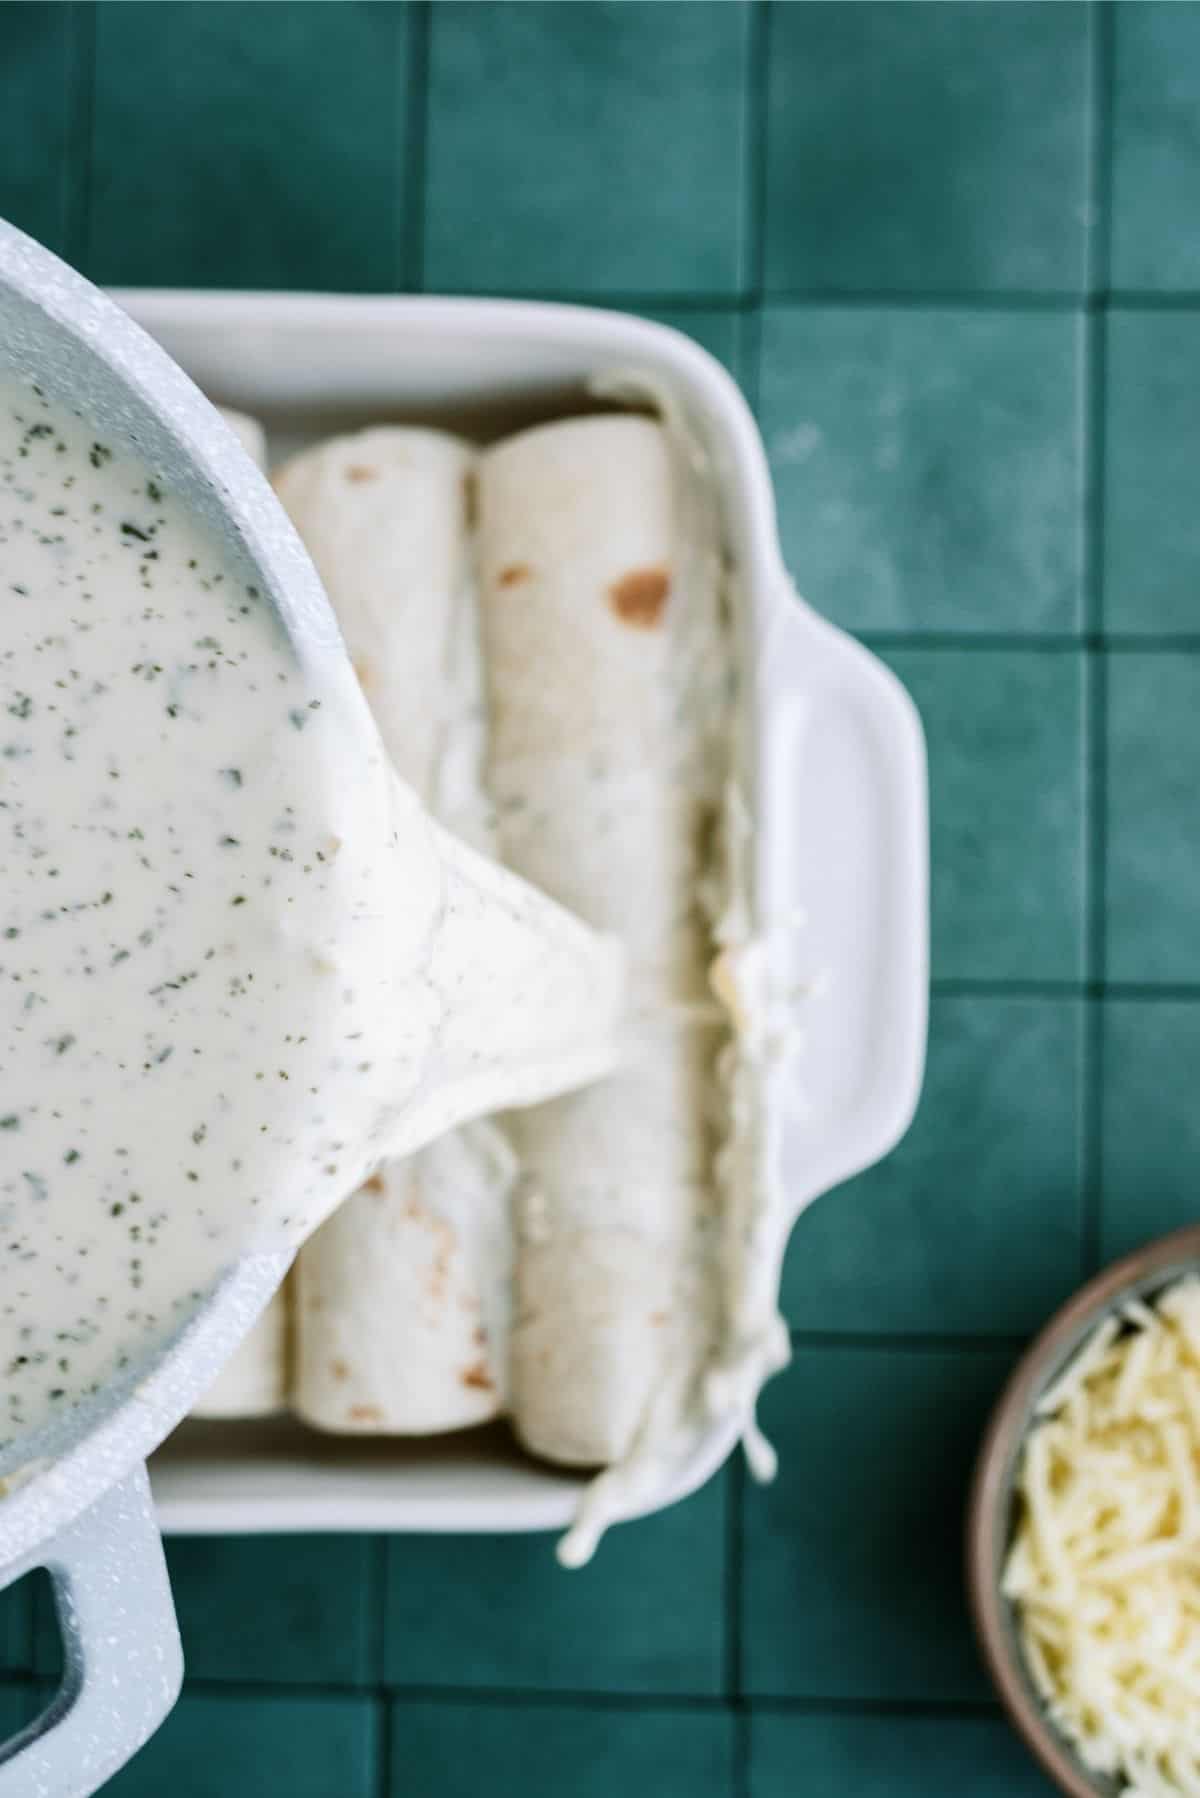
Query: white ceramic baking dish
x,y
839,799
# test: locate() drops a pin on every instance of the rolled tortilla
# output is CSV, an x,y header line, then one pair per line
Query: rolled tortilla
x,y
383,514
254,1381
600,605
402,1306
402,1296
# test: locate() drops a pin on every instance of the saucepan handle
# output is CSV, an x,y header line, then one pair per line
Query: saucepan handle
x,y
123,1662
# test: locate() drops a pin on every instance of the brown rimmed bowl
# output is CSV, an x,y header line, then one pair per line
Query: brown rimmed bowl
x,y
991,1516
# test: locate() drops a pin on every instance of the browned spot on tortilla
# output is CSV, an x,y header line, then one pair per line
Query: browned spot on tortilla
x,y
477,1377
639,598
470,489
514,574
362,671
361,471
365,1414
339,1370
374,1184
658,1317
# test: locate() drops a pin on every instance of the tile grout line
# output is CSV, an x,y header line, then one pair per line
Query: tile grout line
x,y
748,356
1133,299
963,987
413,149
382,1742
943,299
376,1627
1108,643
1117,991
1168,992
733,1704
491,1697
732,1588
748,333
906,1341
1092,1066
77,170
1095,663
741,1752
937,1708
753,271
1099,199
376,1621
659,1703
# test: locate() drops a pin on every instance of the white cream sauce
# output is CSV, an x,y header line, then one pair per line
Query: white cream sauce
x,y
198,915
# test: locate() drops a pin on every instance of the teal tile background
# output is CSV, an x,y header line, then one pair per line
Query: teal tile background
x,y
875,1443
876,1757
1153,437
927,463
627,174
951,253
1151,1141
983,1195
451,1618
1153,851
1007,780
1156,148
445,1750
224,151
313,1745
36,56
311,1621
880,203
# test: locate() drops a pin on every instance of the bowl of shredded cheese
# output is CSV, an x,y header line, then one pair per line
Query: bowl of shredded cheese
x,y
1083,1552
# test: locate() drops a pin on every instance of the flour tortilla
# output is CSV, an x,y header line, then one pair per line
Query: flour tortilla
x,y
402,1296
617,1239
402,1307
600,615
254,1381
383,514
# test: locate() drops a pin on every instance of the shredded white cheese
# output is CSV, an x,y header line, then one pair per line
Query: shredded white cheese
x,y
1104,1570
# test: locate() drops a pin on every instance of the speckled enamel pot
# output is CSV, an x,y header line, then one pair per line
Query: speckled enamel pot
x,y
79,1503
77,1500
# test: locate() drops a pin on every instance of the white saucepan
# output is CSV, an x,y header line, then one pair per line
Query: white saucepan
x,y
77,1500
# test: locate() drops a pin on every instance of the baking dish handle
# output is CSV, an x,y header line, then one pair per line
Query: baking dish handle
x,y
123,1662
844,870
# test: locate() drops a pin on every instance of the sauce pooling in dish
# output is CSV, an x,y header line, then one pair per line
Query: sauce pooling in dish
x,y
196,894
